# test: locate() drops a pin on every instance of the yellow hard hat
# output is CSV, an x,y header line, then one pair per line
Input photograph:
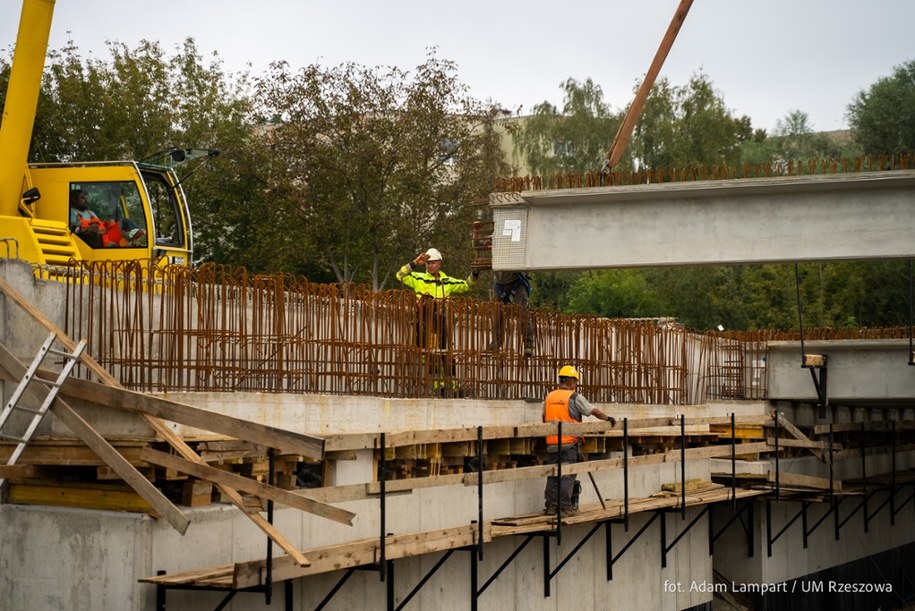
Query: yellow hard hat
x,y
569,371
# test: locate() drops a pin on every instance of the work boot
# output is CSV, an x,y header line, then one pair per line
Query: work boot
x,y
549,510
568,512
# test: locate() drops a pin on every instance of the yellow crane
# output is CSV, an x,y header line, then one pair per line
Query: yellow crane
x,y
141,210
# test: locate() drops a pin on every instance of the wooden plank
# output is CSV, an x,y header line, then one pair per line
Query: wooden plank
x,y
85,496
797,434
798,443
692,485
42,452
286,441
363,441
66,414
491,477
360,553
18,471
804,481
250,486
190,577
157,425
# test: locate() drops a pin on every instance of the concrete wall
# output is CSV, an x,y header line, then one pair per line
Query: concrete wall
x,y
61,559
790,559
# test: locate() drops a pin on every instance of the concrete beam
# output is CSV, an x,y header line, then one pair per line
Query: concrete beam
x,y
864,372
750,220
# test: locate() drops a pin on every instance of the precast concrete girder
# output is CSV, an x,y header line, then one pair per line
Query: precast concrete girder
x,y
861,372
747,220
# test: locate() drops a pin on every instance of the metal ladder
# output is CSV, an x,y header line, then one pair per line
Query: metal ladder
x,y
70,360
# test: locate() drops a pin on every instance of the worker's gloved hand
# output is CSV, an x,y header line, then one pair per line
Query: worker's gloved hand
x,y
611,420
420,259
475,274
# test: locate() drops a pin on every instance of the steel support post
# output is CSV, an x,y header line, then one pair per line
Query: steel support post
x,y
271,481
613,559
864,476
382,476
682,467
626,474
733,463
505,564
480,492
665,549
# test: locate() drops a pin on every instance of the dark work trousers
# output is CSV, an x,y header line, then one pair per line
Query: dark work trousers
x,y
433,330
553,487
511,294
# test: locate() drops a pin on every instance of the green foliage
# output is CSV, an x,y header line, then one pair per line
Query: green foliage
x,y
686,126
794,139
835,294
138,103
368,167
614,293
883,117
573,139
551,290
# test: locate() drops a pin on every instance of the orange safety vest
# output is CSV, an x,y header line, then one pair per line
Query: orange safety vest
x,y
556,409
110,231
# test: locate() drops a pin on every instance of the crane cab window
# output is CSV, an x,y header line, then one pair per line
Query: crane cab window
x,y
165,210
108,214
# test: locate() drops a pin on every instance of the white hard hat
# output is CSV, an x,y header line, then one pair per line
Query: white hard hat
x,y
434,254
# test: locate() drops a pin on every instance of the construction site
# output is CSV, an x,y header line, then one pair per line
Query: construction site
x,y
180,437
236,442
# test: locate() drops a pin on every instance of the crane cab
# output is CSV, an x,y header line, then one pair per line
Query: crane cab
x,y
140,209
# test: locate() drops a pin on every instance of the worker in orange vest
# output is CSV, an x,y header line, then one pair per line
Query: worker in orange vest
x,y
84,222
565,404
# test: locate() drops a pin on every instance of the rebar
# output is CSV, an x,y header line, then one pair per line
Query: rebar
x,y
216,328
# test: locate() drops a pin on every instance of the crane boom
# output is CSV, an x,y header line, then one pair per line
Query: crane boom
x,y
621,140
22,99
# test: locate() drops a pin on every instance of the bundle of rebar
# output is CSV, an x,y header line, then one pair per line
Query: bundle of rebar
x,y
216,328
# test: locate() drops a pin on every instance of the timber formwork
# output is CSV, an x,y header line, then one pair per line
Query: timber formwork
x,y
738,498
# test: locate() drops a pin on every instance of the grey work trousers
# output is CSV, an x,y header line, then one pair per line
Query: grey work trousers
x,y
556,492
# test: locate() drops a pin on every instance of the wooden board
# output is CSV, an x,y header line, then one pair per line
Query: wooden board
x,y
360,553
66,414
121,398
86,496
803,481
156,424
238,482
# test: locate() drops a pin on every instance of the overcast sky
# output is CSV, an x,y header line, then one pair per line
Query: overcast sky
x,y
765,57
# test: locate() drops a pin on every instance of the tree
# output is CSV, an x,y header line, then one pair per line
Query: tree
x,y
883,117
614,293
367,167
142,101
138,103
686,126
573,139
794,139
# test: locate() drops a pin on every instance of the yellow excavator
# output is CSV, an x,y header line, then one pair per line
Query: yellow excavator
x,y
52,214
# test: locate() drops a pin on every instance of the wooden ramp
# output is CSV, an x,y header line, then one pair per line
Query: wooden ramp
x,y
326,559
615,509
367,552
